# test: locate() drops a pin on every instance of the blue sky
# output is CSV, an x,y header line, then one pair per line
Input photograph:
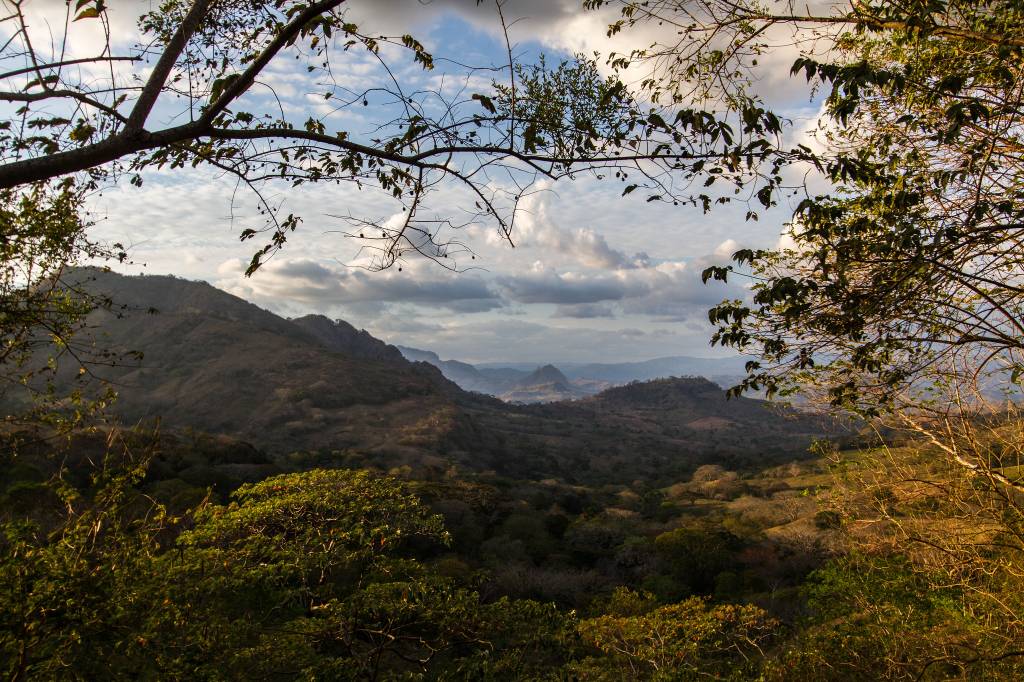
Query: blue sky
x,y
593,276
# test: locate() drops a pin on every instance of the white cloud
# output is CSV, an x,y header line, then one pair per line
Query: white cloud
x,y
318,286
593,276
726,248
537,228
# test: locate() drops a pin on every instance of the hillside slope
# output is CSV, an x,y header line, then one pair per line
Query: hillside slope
x,y
654,430
213,363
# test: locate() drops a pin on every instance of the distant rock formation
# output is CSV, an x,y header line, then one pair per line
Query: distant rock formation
x,y
548,374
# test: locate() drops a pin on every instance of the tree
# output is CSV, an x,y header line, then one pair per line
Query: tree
x,y
898,297
907,264
41,308
77,583
207,60
694,557
318,574
41,233
902,288
688,640
882,617
196,92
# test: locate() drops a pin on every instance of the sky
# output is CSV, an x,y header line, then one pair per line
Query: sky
x,y
592,276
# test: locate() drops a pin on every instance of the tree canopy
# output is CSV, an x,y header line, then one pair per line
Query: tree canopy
x,y
905,272
195,92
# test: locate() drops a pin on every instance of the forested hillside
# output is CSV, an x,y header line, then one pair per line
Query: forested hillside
x,y
197,358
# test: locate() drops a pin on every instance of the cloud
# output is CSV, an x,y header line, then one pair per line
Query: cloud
x,y
548,286
318,286
570,288
671,290
726,249
528,17
584,311
563,26
677,292
515,340
535,228
403,326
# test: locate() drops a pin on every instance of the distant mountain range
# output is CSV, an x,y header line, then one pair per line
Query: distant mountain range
x,y
528,383
534,385
315,390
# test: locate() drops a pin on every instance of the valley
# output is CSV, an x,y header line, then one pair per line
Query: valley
x,y
551,526
657,491
679,341
525,383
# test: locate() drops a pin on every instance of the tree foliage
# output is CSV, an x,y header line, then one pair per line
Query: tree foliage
x,y
897,295
683,641
41,308
906,272
311,575
202,104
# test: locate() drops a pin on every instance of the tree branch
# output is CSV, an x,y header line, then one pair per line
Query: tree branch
x,y
155,85
239,85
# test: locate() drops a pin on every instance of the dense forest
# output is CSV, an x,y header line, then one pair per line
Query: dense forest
x,y
148,556
195,488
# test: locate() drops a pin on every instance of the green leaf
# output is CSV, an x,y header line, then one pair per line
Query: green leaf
x,y
88,13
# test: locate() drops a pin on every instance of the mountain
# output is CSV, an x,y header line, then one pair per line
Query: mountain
x,y
688,397
503,376
657,368
313,391
521,383
342,337
548,374
654,430
417,355
543,385
618,373
465,375
215,363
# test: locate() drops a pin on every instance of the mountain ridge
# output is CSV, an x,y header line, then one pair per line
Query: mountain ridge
x,y
341,336
512,382
215,364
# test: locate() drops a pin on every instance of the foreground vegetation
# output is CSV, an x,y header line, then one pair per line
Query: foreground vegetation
x,y
111,565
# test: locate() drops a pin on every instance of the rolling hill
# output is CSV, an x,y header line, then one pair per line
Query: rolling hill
x,y
213,363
